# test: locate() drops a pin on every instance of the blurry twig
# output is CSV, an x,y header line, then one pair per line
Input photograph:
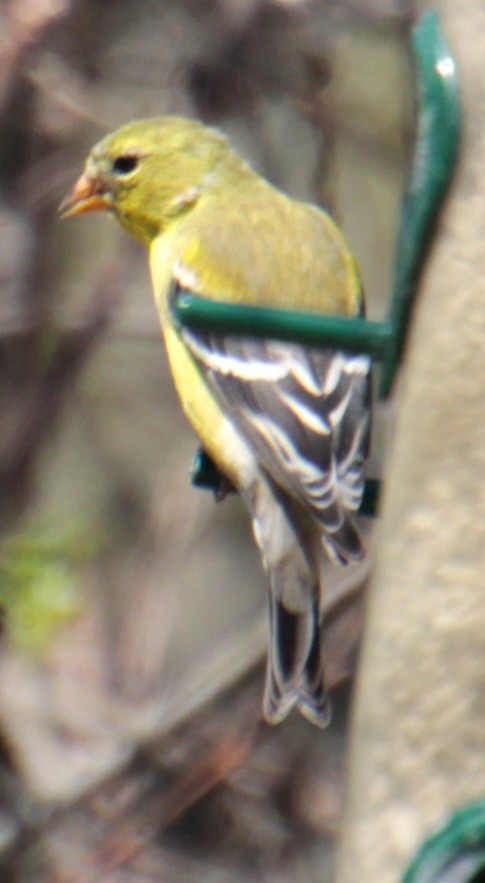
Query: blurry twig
x,y
33,418
23,23
127,839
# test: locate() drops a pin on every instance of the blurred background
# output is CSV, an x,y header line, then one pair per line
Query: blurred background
x,y
133,607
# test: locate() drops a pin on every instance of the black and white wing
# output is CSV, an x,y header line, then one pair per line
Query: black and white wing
x,y
306,415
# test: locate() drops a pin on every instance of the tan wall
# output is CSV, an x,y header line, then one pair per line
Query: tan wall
x,y
418,739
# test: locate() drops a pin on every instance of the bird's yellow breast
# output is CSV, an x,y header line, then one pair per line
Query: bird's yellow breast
x,y
217,434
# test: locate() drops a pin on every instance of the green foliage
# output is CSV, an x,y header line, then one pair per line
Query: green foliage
x,y
40,586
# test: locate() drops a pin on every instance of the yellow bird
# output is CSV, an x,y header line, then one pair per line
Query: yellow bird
x,y
287,425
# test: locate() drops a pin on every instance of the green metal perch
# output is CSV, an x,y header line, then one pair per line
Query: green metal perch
x,y
437,139
455,853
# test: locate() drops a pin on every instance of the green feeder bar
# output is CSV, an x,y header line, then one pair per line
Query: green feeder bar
x,y
455,853
437,139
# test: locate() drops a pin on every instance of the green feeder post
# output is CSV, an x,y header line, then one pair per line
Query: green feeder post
x,y
435,154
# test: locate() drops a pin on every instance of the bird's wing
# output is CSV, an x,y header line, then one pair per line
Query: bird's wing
x,y
305,413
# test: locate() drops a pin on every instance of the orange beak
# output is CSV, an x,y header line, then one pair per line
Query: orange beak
x,y
87,195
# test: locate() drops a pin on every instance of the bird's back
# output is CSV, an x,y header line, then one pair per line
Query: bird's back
x,y
253,244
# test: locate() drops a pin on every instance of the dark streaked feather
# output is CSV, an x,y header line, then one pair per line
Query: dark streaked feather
x,y
305,412
295,669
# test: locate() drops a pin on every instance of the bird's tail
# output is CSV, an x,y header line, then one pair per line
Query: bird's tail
x,y
294,676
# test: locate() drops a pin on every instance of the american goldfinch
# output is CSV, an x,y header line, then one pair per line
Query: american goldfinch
x,y
288,426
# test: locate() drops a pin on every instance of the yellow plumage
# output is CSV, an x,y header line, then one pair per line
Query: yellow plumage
x,y
289,427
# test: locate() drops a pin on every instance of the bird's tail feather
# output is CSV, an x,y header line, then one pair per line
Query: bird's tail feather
x,y
294,676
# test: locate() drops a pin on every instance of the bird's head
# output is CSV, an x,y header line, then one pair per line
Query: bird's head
x,y
149,172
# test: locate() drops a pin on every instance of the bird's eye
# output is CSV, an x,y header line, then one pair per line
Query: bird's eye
x,y
125,164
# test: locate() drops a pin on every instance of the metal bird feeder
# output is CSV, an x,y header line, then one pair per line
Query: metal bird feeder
x,y
435,153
